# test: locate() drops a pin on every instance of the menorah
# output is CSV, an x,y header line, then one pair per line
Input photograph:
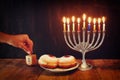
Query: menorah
x,y
84,38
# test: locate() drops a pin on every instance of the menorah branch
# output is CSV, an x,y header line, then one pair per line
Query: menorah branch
x,y
67,41
103,36
74,38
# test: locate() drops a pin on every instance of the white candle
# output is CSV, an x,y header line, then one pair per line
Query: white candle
x,y
64,24
73,21
68,24
78,20
84,18
103,20
94,26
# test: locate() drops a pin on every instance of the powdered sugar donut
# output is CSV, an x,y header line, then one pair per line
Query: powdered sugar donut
x,y
48,61
67,61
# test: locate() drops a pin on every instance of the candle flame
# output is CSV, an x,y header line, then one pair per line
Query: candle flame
x,y
103,19
73,19
68,20
99,20
84,17
89,19
64,20
78,20
94,20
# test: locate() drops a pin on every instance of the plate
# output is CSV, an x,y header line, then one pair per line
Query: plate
x,y
60,69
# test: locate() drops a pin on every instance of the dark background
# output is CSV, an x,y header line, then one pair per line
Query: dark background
x,y
42,21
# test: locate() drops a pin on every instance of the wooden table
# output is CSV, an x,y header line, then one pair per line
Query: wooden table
x,y
16,69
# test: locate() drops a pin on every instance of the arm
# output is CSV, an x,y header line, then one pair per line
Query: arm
x,y
21,41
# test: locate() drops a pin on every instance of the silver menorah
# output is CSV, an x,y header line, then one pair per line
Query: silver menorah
x,y
86,39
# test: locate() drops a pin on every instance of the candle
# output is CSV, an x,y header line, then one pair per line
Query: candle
x,y
84,18
99,21
73,20
103,20
64,24
89,21
68,24
94,26
78,20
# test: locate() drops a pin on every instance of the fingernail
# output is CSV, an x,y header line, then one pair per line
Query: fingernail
x,y
28,52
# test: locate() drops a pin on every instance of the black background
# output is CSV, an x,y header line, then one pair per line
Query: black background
x,y
42,21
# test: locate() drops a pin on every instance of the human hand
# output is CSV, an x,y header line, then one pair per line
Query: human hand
x,y
21,41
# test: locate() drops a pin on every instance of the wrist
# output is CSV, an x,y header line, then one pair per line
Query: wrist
x,y
5,38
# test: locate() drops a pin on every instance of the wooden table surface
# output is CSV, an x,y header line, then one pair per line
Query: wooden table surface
x,y
16,69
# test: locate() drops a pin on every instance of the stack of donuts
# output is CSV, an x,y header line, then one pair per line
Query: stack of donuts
x,y
51,61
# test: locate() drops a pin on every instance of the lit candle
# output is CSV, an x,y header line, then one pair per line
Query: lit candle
x,y
84,18
94,26
103,20
64,24
78,20
73,20
68,24
99,21
89,21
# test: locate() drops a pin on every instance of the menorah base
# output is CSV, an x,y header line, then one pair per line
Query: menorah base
x,y
85,67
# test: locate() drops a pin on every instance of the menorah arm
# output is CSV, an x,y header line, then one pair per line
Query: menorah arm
x,y
79,40
74,39
93,39
67,41
92,46
98,38
103,36
97,45
88,39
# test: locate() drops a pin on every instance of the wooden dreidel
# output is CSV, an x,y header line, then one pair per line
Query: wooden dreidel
x,y
31,59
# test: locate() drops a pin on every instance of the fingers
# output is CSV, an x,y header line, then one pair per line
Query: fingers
x,y
22,41
26,49
28,46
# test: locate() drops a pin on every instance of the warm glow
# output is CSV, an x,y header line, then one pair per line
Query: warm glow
x,y
84,17
76,24
78,20
64,20
94,20
89,20
73,19
103,19
68,20
99,20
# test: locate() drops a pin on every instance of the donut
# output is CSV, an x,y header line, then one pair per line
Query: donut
x,y
48,61
67,61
